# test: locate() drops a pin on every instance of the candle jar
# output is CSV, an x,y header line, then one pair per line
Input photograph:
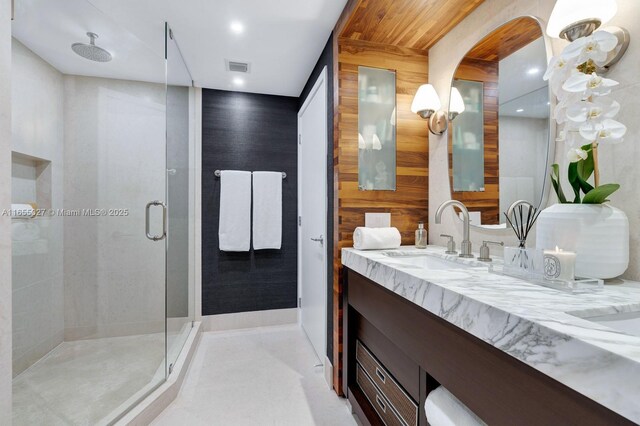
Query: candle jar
x,y
559,265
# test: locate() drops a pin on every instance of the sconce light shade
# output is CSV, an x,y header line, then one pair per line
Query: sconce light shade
x,y
456,105
571,19
426,101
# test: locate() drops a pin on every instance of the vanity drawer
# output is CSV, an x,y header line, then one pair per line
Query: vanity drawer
x,y
401,401
377,400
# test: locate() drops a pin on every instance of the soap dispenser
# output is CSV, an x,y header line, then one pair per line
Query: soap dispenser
x,y
421,236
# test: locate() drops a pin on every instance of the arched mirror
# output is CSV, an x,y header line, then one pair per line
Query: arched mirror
x,y
501,144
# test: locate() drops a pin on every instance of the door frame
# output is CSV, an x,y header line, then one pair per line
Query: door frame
x,y
320,82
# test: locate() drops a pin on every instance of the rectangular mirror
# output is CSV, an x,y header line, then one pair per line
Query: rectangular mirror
x,y
376,129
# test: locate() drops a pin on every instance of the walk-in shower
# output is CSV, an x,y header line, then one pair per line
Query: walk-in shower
x,y
103,271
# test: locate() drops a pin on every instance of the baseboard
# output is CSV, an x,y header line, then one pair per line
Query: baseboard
x,y
328,372
241,320
149,408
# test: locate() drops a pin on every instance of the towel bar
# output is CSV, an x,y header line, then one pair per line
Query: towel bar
x,y
217,174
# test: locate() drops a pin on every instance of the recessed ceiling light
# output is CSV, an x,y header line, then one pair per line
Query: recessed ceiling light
x,y
238,81
237,27
533,71
520,110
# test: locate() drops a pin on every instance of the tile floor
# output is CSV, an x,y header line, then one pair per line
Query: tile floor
x,y
264,376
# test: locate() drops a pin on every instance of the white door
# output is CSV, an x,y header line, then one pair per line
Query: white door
x,y
312,209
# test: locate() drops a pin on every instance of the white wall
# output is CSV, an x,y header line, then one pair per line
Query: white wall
x,y
114,158
37,131
5,222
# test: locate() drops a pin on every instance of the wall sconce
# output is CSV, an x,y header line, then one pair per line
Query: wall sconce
x,y
456,105
426,104
572,19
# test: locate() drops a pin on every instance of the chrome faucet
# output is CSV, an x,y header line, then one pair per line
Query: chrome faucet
x,y
465,247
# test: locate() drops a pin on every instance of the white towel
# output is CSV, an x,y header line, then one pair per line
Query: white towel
x,y
444,409
23,211
376,238
234,231
267,210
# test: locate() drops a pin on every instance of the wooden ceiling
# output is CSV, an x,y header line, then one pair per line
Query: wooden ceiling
x,y
505,40
417,24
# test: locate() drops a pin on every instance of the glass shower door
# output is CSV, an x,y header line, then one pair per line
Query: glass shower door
x,y
89,286
180,200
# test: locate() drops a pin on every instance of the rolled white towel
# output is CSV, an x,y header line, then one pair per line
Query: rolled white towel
x,y
23,211
444,409
376,238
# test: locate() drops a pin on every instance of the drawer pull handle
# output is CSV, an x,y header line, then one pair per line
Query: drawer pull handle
x,y
380,375
381,403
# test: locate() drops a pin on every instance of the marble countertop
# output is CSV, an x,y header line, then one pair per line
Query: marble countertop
x,y
529,322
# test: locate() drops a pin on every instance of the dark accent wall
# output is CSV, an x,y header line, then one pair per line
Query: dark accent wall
x,y
242,131
326,59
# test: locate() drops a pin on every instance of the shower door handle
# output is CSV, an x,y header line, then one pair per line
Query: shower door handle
x,y
164,220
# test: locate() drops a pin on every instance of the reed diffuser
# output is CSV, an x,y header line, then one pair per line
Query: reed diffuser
x,y
520,222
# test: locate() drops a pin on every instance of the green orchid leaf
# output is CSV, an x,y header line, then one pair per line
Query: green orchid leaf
x,y
600,194
585,186
555,181
574,180
586,167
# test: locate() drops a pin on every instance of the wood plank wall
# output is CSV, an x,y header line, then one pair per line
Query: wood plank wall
x,y
488,201
409,203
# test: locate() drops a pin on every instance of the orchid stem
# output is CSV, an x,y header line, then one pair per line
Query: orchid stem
x,y
596,169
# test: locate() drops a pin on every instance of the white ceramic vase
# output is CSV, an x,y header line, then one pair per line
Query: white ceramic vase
x,y
598,233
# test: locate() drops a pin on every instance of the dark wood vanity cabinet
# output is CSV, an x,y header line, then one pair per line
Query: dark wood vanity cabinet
x,y
396,352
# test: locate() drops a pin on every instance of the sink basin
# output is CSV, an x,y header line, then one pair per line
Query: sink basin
x,y
424,261
625,322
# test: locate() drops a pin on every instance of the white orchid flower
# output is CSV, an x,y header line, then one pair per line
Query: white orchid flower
x,y
594,111
565,100
558,71
595,47
589,84
557,64
576,154
607,131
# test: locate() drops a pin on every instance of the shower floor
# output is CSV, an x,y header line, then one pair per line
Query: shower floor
x,y
85,382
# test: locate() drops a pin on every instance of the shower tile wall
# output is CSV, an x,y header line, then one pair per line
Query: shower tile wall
x,y
37,131
114,276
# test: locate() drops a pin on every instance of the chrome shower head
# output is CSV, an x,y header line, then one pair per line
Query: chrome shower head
x,y
91,51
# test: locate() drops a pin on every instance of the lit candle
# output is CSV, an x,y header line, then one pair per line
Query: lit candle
x,y
559,265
